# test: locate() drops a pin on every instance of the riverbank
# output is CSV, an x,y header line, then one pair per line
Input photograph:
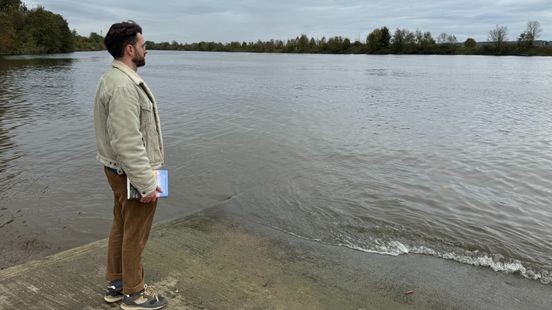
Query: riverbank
x,y
213,260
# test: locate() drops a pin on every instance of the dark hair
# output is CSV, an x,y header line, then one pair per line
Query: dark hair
x,y
119,36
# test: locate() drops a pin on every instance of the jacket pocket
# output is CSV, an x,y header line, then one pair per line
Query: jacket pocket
x,y
146,114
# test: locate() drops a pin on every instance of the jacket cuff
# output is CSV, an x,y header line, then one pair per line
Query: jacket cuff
x,y
144,191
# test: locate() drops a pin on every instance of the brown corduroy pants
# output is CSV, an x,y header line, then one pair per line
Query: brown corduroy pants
x,y
129,234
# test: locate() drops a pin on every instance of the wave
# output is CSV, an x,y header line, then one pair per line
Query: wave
x,y
496,262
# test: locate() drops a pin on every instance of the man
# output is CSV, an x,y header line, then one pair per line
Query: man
x,y
130,145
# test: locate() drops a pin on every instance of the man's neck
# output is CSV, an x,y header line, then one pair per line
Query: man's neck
x,y
129,63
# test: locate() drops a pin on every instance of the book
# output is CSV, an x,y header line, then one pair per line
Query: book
x,y
162,181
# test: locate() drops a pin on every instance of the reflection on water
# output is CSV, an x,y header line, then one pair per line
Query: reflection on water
x,y
439,155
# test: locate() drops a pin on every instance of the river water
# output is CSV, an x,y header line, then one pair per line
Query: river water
x,y
448,156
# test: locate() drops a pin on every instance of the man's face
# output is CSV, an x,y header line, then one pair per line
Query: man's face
x,y
139,58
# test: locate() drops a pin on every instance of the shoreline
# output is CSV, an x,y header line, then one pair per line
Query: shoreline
x,y
297,53
214,260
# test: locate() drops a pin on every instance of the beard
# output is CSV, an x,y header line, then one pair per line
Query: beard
x,y
139,61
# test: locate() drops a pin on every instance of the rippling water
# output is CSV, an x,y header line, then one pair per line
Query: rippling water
x,y
441,155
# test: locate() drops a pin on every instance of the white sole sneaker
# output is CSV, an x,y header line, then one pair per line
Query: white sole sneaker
x,y
138,307
111,299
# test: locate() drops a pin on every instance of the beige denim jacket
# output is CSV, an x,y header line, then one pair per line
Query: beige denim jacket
x,y
128,133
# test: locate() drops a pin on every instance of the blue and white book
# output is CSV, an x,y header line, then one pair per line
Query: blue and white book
x,y
162,181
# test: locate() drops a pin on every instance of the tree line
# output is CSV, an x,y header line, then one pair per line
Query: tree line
x,y
382,41
39,31
36,31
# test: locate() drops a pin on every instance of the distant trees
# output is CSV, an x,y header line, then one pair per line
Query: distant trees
x,y
403,41
447,43
470,43
11,20
498,37
94,42
10,5
45,32
445,38
406,42
302,44
335,45
425,41
531,33
499,45
41,31
32,31
378,40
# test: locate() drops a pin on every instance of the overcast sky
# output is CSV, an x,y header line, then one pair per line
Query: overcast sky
x,y
250,20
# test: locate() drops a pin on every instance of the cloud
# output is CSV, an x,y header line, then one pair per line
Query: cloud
x,y
248,20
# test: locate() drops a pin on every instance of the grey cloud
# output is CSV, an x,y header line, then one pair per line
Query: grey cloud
x,y
248,20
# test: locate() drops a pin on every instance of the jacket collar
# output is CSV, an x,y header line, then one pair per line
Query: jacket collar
x,y
128,71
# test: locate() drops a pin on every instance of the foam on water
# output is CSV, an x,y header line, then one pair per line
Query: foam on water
x,y
393,248
496,262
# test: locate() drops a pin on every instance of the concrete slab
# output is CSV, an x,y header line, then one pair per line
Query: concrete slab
x,y
212,260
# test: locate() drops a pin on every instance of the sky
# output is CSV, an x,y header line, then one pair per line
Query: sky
x,y
190,21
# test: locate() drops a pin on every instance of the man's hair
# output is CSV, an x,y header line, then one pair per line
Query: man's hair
x,y
119,36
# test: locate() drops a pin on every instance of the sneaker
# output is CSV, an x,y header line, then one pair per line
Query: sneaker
x,y
143,300
114,291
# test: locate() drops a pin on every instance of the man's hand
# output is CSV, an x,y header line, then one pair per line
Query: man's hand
x,y
151,197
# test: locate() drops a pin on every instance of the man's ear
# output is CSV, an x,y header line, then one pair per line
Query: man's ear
x,y
129,49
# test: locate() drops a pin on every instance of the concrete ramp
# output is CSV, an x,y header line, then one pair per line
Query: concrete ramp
x,y
211,261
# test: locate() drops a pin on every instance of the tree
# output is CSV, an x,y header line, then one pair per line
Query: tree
x,y
498,36
424,41
8,6
323,45
385,38
93,43
12,16
373,40
279,45
302,43
470,43
442,38
49,32
346,44
531,33
446,43
313,47
335,44
445,38
291,46
403,41
378,39
357,47
7,34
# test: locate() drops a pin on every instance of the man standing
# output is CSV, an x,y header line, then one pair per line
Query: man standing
x,y
130,145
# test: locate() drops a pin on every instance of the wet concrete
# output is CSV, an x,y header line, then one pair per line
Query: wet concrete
x,y
212,260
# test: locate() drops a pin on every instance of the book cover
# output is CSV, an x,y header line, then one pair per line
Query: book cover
x,y
162,181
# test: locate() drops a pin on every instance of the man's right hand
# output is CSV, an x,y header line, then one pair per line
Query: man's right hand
x,y
152,196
